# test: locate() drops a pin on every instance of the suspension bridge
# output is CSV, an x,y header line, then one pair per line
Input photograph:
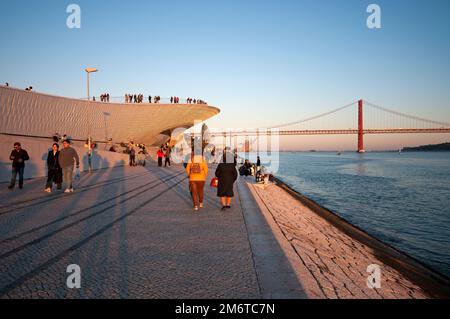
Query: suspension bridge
x,y
370,119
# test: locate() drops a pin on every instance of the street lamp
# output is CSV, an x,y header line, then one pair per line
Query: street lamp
x,y
88,72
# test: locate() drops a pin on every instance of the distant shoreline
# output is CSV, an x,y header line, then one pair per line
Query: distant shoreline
x,y
444,147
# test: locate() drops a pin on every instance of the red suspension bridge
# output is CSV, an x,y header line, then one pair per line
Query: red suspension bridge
x,y
380,120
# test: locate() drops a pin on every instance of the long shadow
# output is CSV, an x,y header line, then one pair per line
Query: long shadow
x,y
55,259
44,198
95,257
29,258
102,230
137,190
12,223
272,267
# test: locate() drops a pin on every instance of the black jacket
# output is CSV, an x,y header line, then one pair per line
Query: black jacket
x,y
19,158
227,175
53,160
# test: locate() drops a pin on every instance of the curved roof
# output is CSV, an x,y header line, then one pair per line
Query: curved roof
x,y
37,114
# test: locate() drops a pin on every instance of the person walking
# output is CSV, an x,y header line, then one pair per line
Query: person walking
x,y
160,155
18,157
67,157
132,155
197,170
54,173
167,156
227,175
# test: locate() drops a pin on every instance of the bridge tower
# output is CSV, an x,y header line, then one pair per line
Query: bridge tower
x,y
360,127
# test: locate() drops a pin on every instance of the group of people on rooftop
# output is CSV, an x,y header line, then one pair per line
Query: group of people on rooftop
x,y
134,98
104,97
195,101
137,98
30,88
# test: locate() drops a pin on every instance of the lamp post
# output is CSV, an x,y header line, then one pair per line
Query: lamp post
x,y
88,72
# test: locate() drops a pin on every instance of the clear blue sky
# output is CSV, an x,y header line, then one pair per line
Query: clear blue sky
x,y
261,62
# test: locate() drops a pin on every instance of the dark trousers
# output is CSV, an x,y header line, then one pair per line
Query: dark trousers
x,y
197,191
160,161
54,176
167,162
15,171
132,160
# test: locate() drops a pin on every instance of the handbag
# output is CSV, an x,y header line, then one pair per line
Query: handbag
x,y
214,182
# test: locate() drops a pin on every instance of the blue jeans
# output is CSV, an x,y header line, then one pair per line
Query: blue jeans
x,y
15,171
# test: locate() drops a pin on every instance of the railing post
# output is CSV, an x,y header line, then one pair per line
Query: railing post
x,y
360,127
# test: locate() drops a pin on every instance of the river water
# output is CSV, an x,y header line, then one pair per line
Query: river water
x,y
402,199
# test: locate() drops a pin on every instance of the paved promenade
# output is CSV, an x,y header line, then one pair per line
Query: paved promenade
x,y
134,235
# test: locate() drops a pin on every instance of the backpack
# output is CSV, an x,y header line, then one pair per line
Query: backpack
x,y
196,168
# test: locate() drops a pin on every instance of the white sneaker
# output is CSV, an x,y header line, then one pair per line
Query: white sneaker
x,y
48,190
71,190
201,205
67,190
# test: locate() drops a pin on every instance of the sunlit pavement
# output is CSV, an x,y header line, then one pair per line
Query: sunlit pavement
x,y
133,233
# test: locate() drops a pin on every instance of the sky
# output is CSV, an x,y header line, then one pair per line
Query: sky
x,y
261,62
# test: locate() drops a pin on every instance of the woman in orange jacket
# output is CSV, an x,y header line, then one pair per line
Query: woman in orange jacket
x,y
197,170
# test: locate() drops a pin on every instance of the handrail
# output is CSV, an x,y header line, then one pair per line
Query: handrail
x,y
121,100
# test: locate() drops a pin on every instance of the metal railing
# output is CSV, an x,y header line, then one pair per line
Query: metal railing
x,y
121,100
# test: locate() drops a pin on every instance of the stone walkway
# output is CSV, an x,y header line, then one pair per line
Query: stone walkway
x,y
330,263
133,233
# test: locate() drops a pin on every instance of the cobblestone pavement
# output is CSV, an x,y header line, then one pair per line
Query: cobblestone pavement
x,y
332,264
134,235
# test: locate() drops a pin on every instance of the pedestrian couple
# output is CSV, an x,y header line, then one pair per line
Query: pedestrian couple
x,y
197,170
164,153
60,166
